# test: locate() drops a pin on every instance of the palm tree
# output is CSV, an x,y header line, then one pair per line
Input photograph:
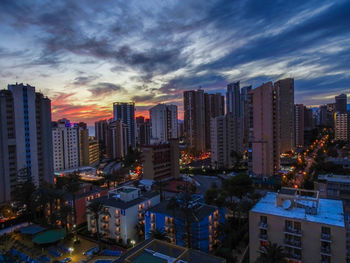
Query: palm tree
x,y
140,228
273,253
159,234
24,194
109,178
159,185
63,213
72,186
95,209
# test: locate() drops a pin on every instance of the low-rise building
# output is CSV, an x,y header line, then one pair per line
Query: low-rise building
x,y
310,229
161,161
125,207
204,222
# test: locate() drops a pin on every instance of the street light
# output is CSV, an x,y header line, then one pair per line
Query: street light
x,y
133,243
70,250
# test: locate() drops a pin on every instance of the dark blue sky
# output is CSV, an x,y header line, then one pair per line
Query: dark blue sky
x,y
87,54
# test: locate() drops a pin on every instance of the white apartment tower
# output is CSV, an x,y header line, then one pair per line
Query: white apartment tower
x,y
65,137
163,123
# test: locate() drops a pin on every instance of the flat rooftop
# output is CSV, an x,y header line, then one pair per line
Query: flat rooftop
x,y
329,212
335,178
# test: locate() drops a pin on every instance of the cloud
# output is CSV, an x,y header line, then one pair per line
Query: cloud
x,y
105,88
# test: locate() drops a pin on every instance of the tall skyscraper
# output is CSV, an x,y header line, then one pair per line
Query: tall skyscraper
x,y
342,126
225,139
299,125
233,98
117,139
8,161
341,103
245,114
66,141
25,138
32,113
163,123
125,111
285,94
194,120
101,128
265,130
214,107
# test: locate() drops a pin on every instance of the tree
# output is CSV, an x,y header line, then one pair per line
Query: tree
x,y
109,178
238,186
215,196
23,195
236,159
159,234
95,209
159,185
140,229
273,253
72,186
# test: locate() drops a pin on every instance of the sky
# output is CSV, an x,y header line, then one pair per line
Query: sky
x,y
85,55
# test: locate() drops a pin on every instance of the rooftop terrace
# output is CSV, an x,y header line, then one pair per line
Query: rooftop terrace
x,y
291,204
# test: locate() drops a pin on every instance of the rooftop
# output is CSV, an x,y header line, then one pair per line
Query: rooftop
x,y
109,200
336,178
156,251
200,212
329,212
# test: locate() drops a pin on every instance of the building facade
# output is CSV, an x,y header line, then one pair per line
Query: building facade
x,y
310,229
125,111
299,125
194,120
143,131
341,103
66,141
204,224
161,161
163,123
124,208
264,131
214,107
342,126
117,139
285,95
226,140
233,100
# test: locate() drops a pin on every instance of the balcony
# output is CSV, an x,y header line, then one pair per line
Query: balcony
x,y
117,222
292,231
169,223
292,243
326,251
263,225
263,237
117,215
104,220
262,249
326,237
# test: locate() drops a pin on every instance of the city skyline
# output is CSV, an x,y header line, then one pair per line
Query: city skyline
x,y
85,55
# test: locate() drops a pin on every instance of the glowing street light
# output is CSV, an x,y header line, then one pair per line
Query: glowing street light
x,y
132,242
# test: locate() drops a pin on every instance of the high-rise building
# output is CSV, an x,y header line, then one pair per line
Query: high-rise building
x,y
94,151
163,123
285,95
125,111
66,141
225,140
8,160
214,107
101,128
245,114
299,125
117,139
233,98
194,120
341,103
309,120
264,128
32,113
83,144
161,161
309,228
342,126
143,130
25,138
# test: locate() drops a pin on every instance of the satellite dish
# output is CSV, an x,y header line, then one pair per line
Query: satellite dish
x,y
286,204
